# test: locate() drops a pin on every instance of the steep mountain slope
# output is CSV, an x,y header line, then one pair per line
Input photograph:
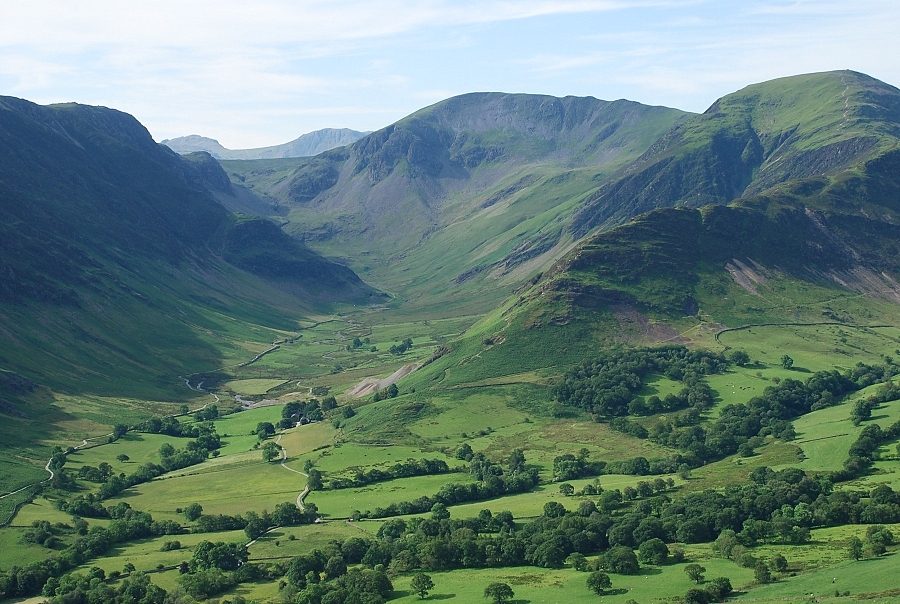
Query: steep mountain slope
x,y
681,276
117,244
809,132
469,188
306,145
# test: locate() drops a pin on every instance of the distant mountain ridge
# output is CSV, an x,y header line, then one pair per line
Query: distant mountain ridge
x,y
306,145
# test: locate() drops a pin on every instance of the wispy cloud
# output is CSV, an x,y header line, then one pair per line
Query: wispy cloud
x,y
261,73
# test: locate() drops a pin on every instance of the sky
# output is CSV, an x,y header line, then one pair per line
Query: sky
x,y
261,72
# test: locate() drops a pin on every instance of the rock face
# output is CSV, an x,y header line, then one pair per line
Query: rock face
x,y
306,145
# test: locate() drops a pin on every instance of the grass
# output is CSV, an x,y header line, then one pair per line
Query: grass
x,y
342,502
145,554
825,436
540,585
253,386
233,489
278,543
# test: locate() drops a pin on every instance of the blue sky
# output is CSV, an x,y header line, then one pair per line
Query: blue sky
x,y
262,72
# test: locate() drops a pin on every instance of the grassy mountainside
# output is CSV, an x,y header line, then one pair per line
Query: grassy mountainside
x,y
476,186
683,275
834,132
116,243
305,145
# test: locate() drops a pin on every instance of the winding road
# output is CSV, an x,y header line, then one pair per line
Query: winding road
x,y
283,463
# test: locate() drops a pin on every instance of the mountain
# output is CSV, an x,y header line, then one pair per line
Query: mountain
x,y
309,144
779,205
460,194
823,135
117,243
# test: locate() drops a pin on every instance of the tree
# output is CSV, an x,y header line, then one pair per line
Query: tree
x,y
598,582
719,588
653,551
696,596
621,559
762,573
499,593
264,430
335,567
695,572
740,357
166,450
421,584
554,509
193,511
779,563
271,451
256,527
566,489
122,457
119,431
577,561
787,362
314,482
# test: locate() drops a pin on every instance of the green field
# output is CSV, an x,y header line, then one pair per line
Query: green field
x,y
825,436
234,489
342,502
558,586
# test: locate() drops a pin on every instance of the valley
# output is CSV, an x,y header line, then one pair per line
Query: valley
x,y
510,339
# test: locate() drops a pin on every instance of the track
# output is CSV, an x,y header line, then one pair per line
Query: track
x,y
87,441
283,463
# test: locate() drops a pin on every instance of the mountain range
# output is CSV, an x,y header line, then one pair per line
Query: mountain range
x,y
118,245
555,213
311,143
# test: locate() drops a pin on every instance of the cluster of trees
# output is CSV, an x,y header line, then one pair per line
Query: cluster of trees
x,y
492,480
767,414
42,532
284,514
569,467
126,525
208,413
773,507
878,538
310,411
864,451
607,386
357,343
390,392
101,473
862,409
402,347
403,469
172,427
90,587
